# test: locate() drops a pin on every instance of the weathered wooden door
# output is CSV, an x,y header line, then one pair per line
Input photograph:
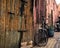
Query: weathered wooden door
x,y
10,23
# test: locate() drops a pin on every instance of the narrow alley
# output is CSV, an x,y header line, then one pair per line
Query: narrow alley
x,y
29,24
53,42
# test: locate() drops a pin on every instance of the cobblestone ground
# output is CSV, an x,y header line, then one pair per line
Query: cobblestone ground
x,y
53,42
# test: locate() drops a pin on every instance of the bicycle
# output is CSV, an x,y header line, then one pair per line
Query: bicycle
x,y
41,36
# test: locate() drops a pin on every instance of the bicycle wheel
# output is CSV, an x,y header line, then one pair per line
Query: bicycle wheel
x,y
39,39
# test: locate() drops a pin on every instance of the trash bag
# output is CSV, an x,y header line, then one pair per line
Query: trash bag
x,y
51,31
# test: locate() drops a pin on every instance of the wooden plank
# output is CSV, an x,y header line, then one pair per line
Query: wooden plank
x,y
28,35
2,31
7,25
12,36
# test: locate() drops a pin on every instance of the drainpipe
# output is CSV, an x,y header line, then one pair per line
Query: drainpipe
x,y
21,15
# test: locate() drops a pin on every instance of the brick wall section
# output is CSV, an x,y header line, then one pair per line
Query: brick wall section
x,y
38,10
55,13
58,9
51,5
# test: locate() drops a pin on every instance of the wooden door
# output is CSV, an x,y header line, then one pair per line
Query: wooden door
x,y
10,23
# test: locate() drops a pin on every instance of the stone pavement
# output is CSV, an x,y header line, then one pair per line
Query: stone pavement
x,y
53,42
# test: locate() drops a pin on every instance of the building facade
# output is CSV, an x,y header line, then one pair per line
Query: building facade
x,y
38,11
51,11
59,9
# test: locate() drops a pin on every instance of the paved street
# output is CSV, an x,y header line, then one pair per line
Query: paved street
x,y
53,42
